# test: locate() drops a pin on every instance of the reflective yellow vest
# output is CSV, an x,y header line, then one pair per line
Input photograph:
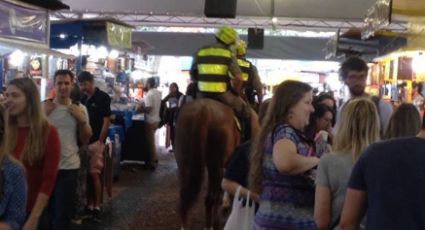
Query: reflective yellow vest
x,y
213,67
245,68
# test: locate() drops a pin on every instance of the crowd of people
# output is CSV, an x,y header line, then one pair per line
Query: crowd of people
x,y
313,166
51,152
44,175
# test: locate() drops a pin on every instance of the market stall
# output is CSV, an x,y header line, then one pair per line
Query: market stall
x,y
24,43
400,76
104,48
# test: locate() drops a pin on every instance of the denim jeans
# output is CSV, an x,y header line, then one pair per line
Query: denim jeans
x,y
62,203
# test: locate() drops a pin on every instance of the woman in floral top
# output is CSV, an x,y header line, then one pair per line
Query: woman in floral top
x,y
282,162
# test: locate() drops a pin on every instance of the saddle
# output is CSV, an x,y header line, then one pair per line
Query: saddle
x,y
243,125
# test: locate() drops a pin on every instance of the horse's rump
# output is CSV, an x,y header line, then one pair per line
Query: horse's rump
x,y
206,135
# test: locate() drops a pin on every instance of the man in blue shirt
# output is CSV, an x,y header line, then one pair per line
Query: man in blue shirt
x,y
388,182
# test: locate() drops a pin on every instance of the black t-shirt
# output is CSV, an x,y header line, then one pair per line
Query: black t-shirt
x,y
238,166
392,173
98,107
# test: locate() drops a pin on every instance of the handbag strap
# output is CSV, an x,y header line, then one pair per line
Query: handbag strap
x,y
238,191
248,199
236,197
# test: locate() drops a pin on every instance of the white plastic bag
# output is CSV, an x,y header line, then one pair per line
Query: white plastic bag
x,y
242,216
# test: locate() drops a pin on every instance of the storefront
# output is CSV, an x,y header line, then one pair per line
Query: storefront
x,y
103,47
24,43
398,76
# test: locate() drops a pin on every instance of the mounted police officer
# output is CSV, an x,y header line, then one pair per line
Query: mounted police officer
x,y
216,72
251,81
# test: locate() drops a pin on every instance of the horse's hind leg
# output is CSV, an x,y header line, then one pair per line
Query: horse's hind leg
x,y
212,199
183,209
215,158
209,202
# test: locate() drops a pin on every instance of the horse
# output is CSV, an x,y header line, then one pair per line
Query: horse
x,y
206,136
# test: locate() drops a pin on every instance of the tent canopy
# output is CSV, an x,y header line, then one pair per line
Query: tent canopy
x,y
295,48
302,15
324,9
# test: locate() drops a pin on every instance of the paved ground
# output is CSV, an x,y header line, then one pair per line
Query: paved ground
x,y
144,199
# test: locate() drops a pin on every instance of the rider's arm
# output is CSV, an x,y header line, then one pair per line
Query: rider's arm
x,y
236,75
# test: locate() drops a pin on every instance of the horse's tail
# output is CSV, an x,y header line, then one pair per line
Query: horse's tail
x,y
193,151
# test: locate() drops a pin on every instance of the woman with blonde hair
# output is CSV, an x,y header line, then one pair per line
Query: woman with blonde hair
x,y
405,122
13,185
35,143
358,129
282,161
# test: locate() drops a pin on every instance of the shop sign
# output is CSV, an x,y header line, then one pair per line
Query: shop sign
x,y
404,71
23,22
36,67
118,36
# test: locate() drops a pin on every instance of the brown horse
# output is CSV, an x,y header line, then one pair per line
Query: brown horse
x,y
206,135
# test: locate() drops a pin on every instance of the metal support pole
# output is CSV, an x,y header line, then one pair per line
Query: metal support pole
x,y
79,64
